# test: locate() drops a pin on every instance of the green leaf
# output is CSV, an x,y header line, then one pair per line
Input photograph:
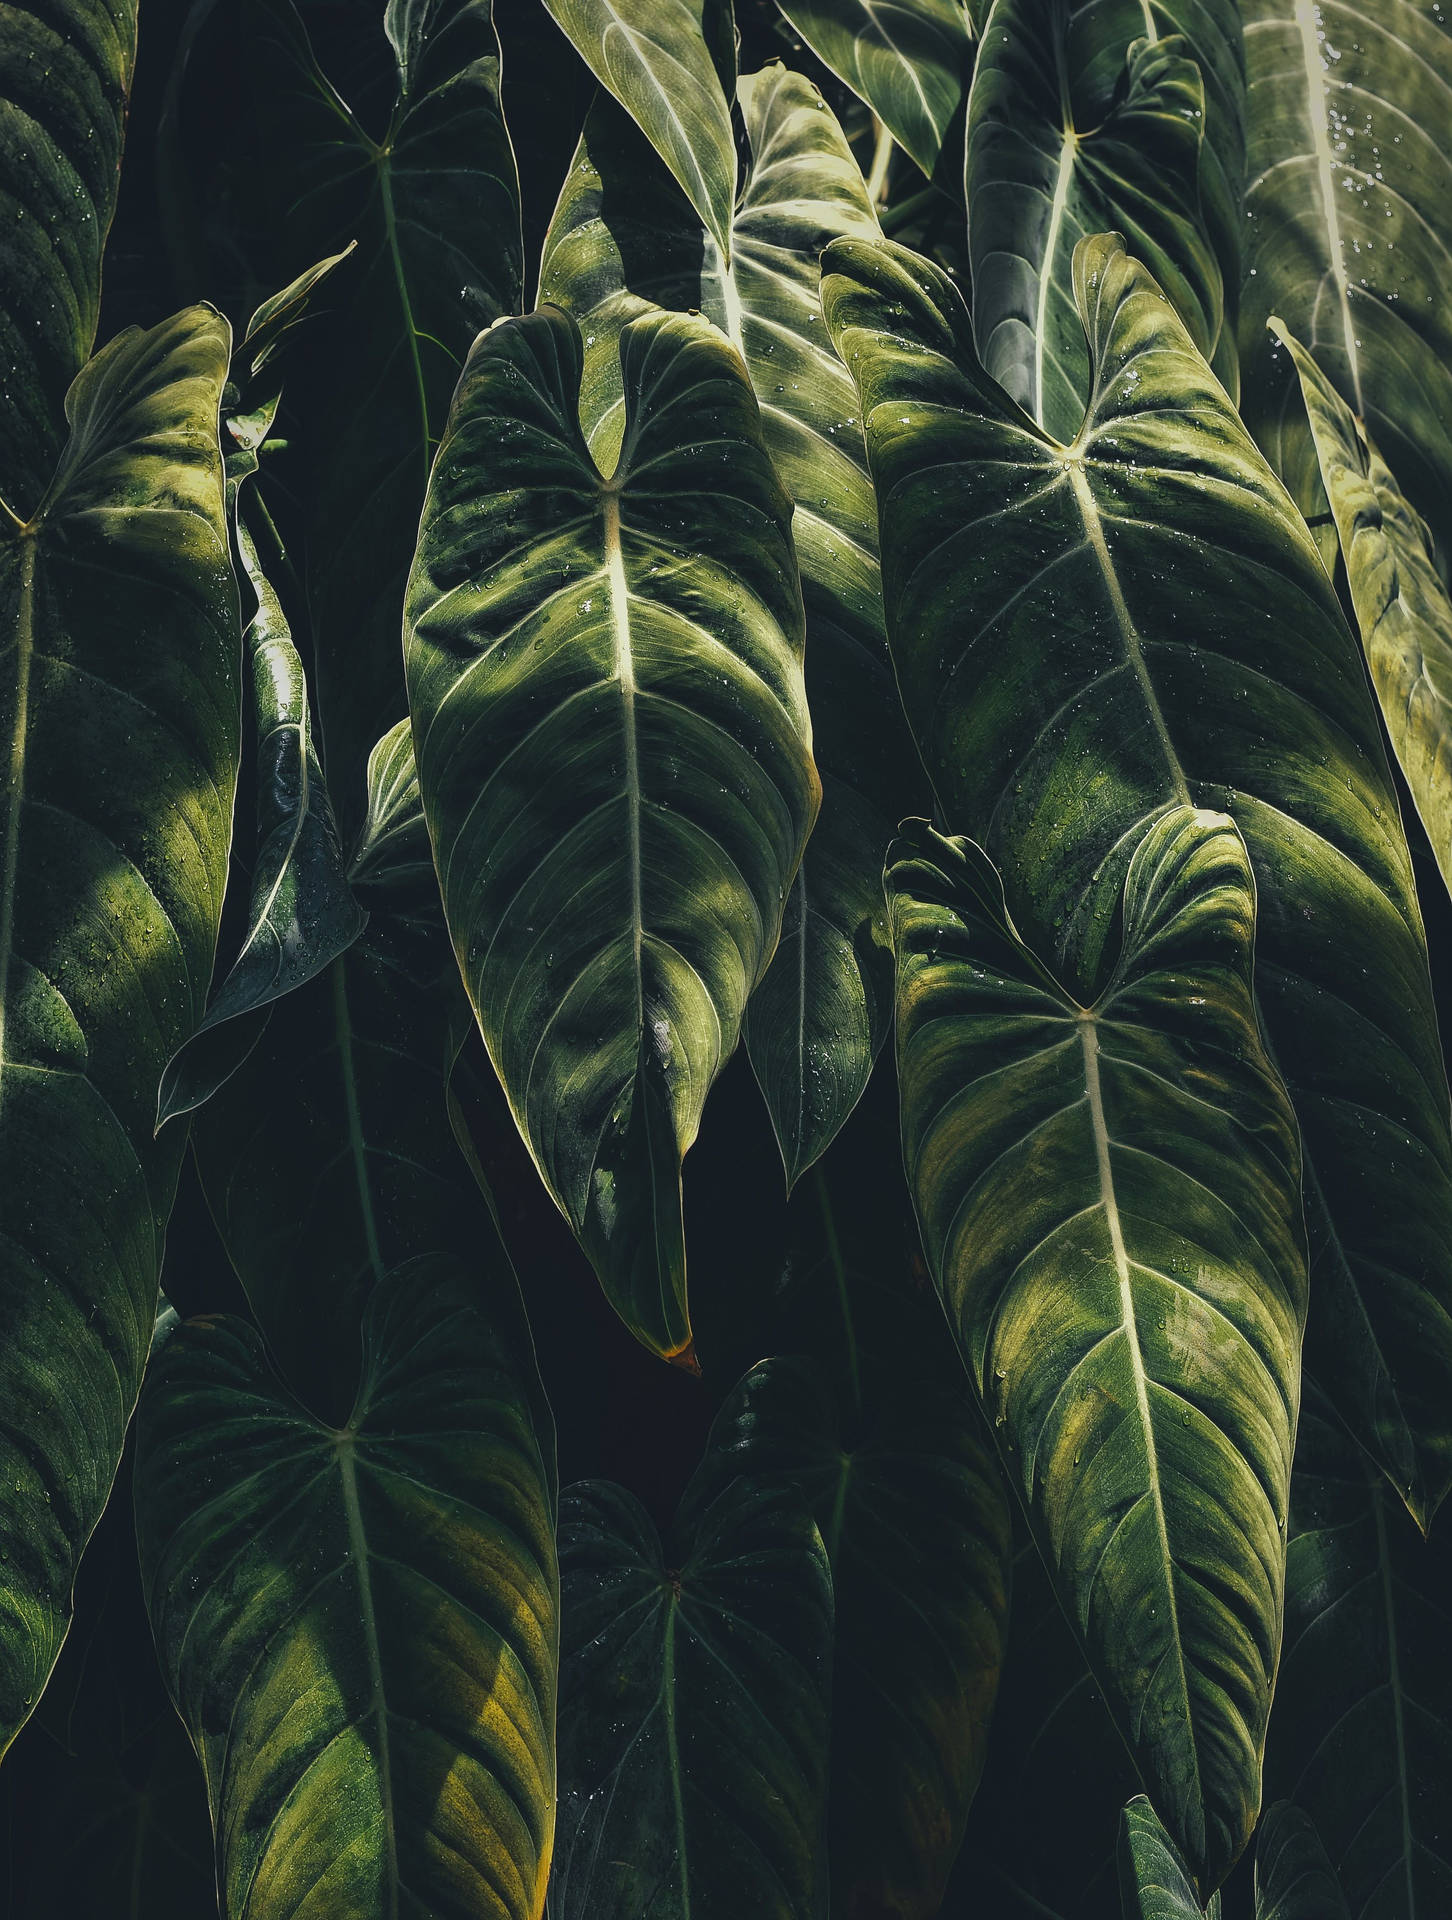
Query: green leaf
x,y
1153,1882
1401,605
1085,634
1362,1734
908,59
1038,178
1109,1195
119,698
694,1703
1293,1877
65,72
359,1623
614,753
1350,232
666,62
623,237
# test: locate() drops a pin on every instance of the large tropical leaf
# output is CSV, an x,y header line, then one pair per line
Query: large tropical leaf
x,y
624,237
119,696
671,65
65,71
613,749
1153,1882
1362,1735
359,1622
1085,634
1293,1877
1349,200
1038,179
1110,1201
1400,602
908,59
695,1682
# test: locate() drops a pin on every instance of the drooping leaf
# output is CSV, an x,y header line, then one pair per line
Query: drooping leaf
x,y
1085,634
908,59
1349,204
359,1623
1109,1195
65,72
1153,1882
1293,1877
671,65
1362,1734
118,690
1038,178
614,754
695,1682
623,237
1400,602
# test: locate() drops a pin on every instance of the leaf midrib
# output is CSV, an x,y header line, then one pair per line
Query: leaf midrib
x,y
1319,127
15,777
358,1550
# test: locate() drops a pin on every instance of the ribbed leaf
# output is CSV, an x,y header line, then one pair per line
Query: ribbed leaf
x,y
623,237
1293,1877
1401,605
1350,231
1085,634
65,71
1110,1201
1153,1882
670,64
1362,1735
614,755
358,1623
1038,178
119,710
908,59
694,1700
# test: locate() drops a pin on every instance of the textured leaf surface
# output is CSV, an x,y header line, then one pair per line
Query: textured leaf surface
x,y
359,1623
694,1703
65,71
119,712
1349,199
622,237
1400,602
1038,179
1110,1200
1153,1882
614,754
1293,1877
1085,634
908,59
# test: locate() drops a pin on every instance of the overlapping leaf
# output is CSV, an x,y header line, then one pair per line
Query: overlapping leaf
x,y
623,237
1153,1881
614,755
695,1686
65,71
1084,634
118,690
1110,1201
359,1623
1293,1877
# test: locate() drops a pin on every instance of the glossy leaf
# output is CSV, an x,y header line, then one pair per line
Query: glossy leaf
x,y
1153,1882
1400,602
624,237
1362,1734
1109,1196
1038,179
1293,1877
1085,634
694,1701
614,754
65,72
1349,204
358,1623
908,59
118,691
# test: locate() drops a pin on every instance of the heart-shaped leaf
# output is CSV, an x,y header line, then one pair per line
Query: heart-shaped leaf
x,y
119,708
1294,1879
1084,634
613,748
694,1698
1110,1201
1152,1878
358,1623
